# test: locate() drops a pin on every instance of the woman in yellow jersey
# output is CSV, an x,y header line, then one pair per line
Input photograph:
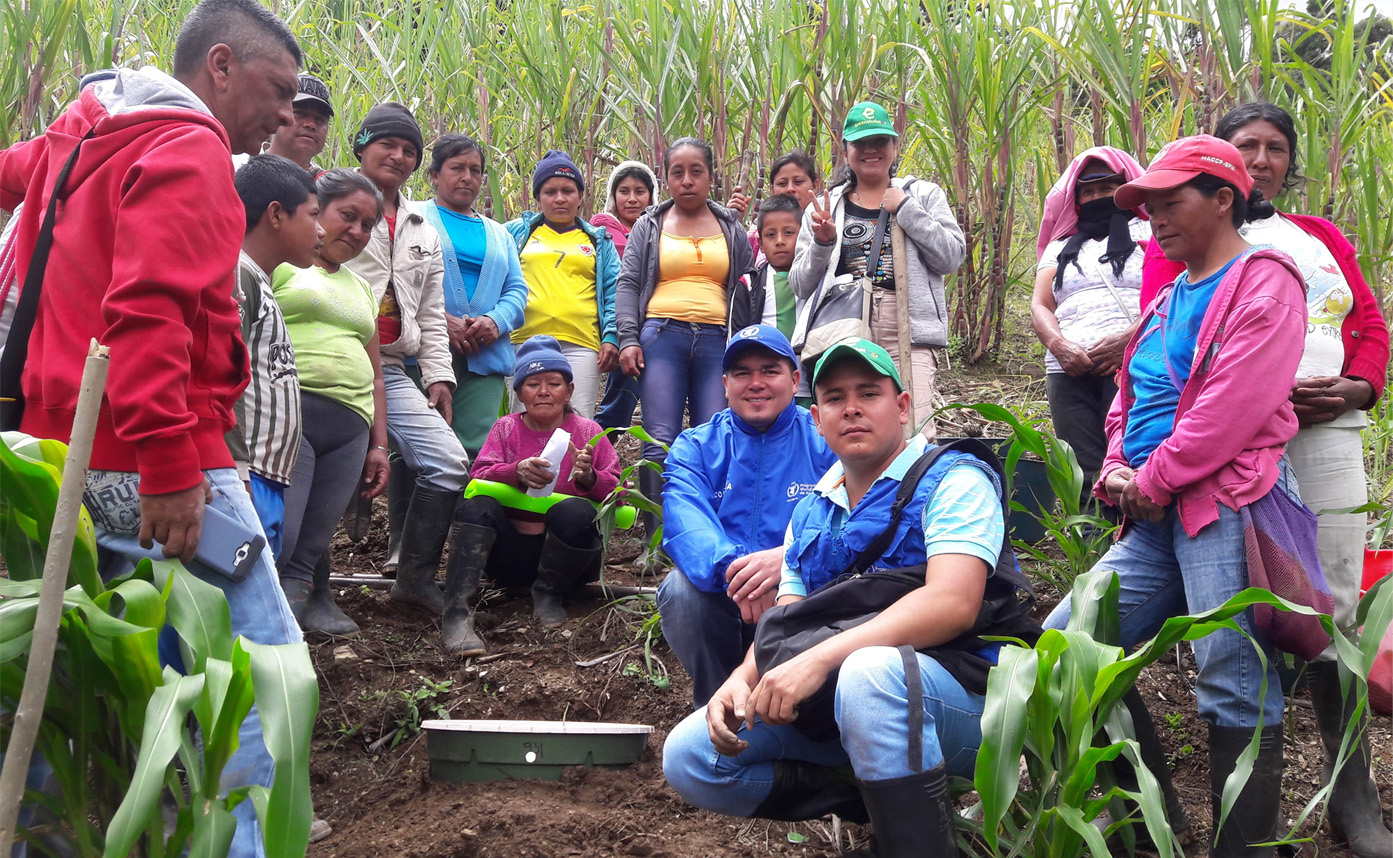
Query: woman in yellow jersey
x,y
570,268
683,258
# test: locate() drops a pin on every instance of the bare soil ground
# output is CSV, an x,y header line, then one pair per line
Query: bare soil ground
x,y
370,774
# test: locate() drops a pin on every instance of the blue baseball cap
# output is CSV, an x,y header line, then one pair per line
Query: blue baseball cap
x,y
765,336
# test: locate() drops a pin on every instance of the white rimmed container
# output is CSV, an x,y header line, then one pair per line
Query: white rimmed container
x,y
488,750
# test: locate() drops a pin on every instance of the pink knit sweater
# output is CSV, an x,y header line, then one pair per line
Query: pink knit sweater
x,y
510,441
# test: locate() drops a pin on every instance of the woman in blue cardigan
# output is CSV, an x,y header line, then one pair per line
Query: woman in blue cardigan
x,y
485,293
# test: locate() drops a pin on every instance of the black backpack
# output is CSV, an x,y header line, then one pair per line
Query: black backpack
x,y
857,595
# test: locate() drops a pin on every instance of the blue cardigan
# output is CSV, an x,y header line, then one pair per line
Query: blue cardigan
x,y
606,266
501,294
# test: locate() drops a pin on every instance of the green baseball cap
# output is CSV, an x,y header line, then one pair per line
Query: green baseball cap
x,y
867,119
877,358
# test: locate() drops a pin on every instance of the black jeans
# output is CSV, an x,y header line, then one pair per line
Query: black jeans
x,y
515,556
1079,408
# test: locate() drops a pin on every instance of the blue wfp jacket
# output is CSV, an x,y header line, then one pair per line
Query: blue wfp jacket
x,y
606,266
731,490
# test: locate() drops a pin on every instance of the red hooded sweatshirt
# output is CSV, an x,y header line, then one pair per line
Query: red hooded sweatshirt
x,y
144,252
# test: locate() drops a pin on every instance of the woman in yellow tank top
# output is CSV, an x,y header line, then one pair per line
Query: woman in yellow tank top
x,y
683,258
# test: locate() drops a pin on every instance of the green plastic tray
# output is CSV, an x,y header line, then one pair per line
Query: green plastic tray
x,y
477,751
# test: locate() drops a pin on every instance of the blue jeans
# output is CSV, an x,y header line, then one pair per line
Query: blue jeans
x,y
705,632
422,436
681,373
1162,573
268,498
259,610
872,709
621,398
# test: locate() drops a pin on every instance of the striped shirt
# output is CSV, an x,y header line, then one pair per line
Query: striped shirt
x,y
266,439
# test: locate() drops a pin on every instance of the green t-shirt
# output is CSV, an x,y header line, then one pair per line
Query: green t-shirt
x,y
785,304
331,319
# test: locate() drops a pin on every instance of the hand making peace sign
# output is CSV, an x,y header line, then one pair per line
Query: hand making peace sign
x,y
824,223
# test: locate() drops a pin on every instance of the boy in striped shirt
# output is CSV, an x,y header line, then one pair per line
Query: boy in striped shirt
x,y
282,210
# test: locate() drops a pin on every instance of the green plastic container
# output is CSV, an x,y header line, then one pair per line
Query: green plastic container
x,y
1030,488
478,751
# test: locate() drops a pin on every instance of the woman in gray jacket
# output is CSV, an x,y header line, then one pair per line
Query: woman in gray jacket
x,y
838,234
684,259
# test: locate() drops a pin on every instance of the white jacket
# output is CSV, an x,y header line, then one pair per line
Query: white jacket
x,y
414,265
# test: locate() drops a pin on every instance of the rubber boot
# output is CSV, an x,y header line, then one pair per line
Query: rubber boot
x,y
1153,756
559,569
470,545
322,614
297,593
650,483
428,521
1353,807
803,791
1253,817
399,484
911,816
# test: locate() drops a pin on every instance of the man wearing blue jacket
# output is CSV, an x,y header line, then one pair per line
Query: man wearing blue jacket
x,y
732,484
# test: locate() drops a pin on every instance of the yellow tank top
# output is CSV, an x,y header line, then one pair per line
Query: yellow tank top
x,y
691,279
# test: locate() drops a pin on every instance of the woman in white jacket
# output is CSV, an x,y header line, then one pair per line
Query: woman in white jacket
x,y
839,231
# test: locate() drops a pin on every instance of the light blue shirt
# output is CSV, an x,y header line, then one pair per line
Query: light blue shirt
x,y
963,517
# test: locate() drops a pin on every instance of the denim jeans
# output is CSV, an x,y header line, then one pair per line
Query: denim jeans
x,y
681,373
872,709
1163,573
621,398
704,631
417,431
259,609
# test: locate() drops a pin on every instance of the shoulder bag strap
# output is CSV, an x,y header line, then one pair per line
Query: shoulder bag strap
x,y
27,310
882,224
908,486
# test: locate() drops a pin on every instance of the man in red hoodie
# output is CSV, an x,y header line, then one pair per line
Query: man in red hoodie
x,y
145,246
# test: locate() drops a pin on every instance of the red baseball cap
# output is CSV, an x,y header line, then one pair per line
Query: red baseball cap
x,y
1182,160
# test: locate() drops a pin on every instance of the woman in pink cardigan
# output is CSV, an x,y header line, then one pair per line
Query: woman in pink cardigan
x,y
553,553
1196,434
1341,375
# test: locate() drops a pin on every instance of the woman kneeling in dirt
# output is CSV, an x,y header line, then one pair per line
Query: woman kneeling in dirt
x,y
1196,453
553,553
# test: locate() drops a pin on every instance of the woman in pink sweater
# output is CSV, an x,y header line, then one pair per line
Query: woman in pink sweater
x,y
553,553
1196,435
1343,366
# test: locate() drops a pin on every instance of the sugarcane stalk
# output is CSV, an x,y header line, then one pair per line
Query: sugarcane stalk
x,y
29,713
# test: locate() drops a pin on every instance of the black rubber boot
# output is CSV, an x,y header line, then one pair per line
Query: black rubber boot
x,y
560,569
1253,818
1353,807
428,521
911,816
322,614
399,484
1153,756
650,484
297,593
803,791
470,545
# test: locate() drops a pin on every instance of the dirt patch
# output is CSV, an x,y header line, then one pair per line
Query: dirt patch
x,y
370,774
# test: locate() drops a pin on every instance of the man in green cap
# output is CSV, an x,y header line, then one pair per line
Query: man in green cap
x,y
745,755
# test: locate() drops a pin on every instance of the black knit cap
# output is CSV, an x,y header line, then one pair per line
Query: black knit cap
x,y
389,119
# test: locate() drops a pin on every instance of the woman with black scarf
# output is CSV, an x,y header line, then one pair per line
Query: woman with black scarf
x,y
1087,295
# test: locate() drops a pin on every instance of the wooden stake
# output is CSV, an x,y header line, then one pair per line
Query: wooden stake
x,y
897,248
30,711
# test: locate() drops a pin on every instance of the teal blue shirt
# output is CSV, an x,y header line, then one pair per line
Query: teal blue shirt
x,y
1162,362
467,237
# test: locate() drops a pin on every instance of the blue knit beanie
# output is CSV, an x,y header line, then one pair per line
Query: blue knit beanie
x,y
540,354
555,163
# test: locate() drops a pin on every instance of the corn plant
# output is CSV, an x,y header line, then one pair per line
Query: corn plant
x,y
1048,705
628,493
1077,534
116,729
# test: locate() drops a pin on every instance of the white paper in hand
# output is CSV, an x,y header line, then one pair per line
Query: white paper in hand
x,y
558,445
